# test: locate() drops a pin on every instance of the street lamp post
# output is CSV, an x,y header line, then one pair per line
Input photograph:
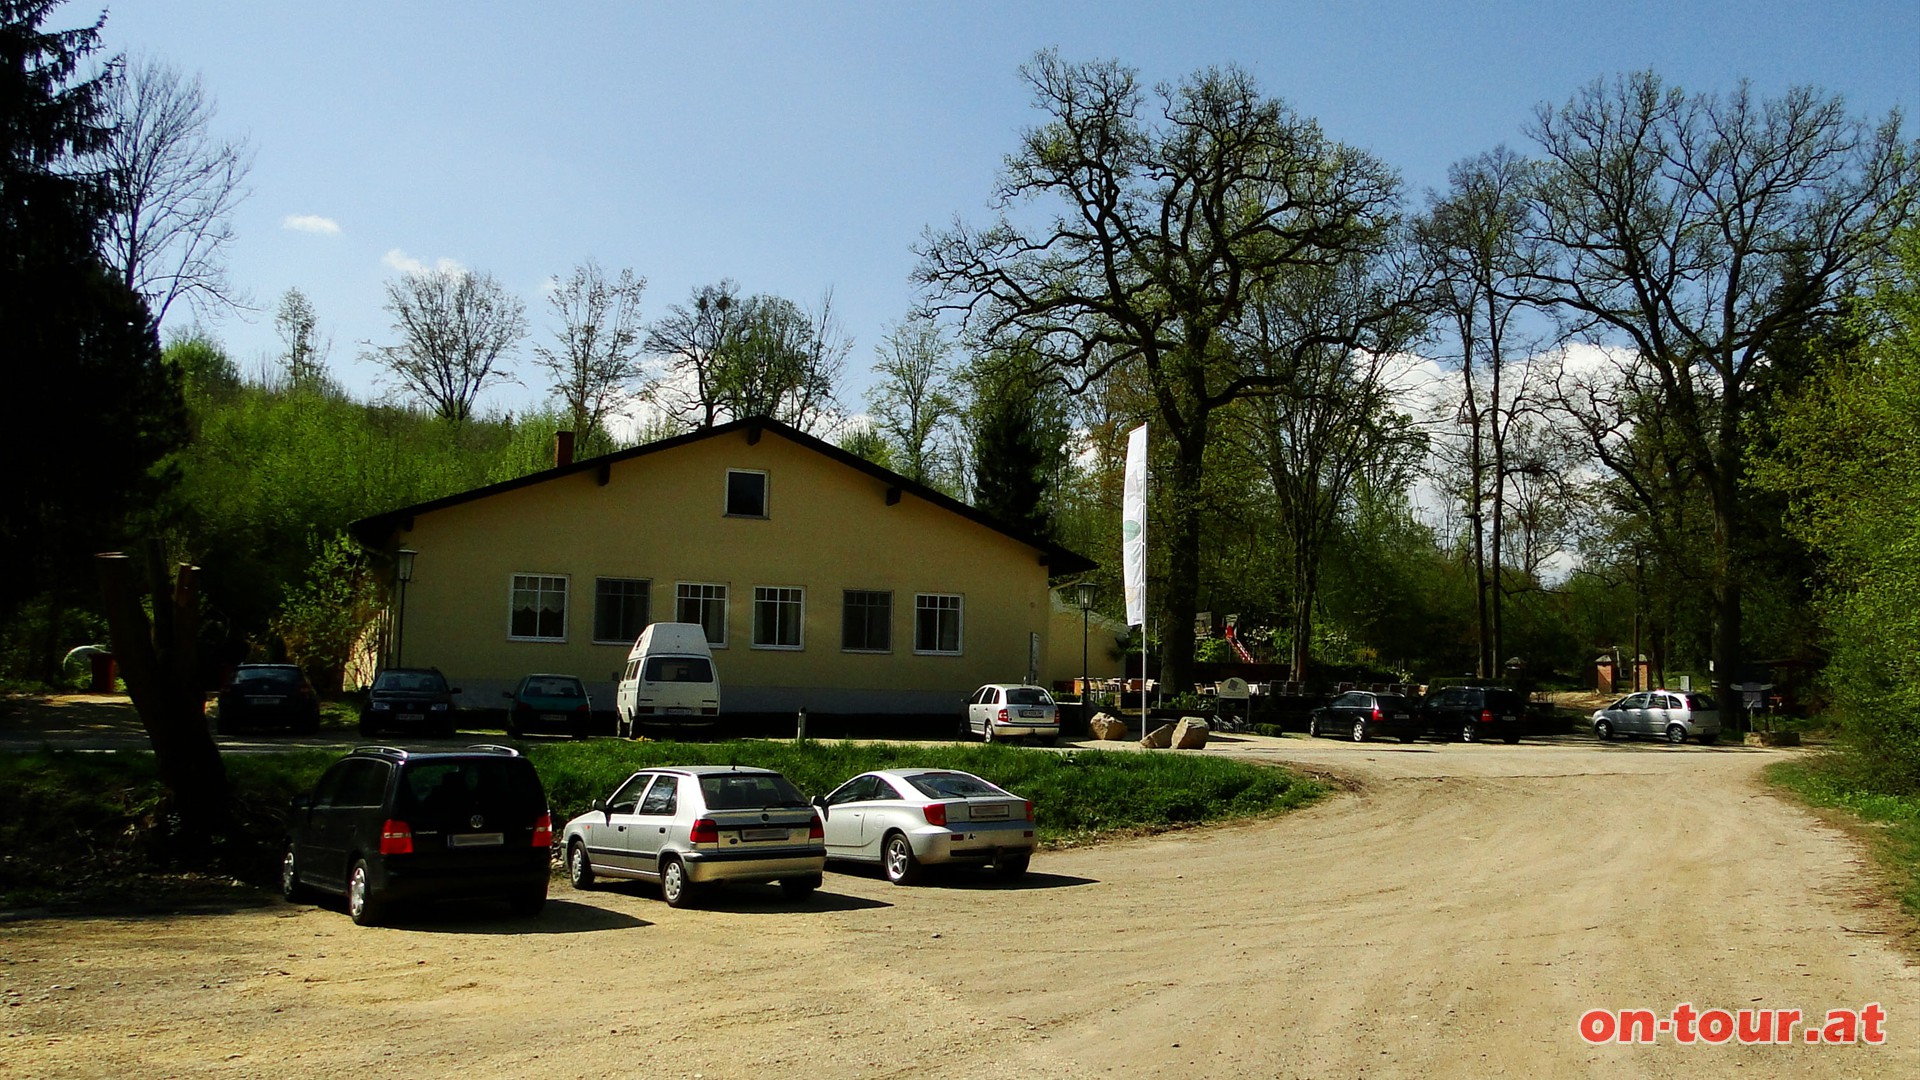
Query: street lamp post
x,y
402,573
1084,591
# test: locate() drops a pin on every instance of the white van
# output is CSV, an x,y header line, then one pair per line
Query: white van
x,y
669,680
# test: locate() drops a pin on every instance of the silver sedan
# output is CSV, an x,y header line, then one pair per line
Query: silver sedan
x,y
907,819
699,825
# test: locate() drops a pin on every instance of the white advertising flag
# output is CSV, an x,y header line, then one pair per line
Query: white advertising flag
x,y
1133,527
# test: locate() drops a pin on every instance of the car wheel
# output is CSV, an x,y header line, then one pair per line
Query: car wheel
x,y
799,888
527,902
447,729
1010,866
1468,732
290,888
579,866
1676,734
986,730
1359,731
899,861
1602,730
1313,727
513,730
364,904
675,889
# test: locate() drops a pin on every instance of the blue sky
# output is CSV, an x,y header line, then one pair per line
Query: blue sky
x,y
800,147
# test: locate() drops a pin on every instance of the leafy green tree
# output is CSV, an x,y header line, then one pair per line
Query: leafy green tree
x,y
1172,216
303,356
911,405
325,615
1846,453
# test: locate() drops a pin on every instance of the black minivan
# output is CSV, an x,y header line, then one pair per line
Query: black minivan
x,y
386,826
1475,713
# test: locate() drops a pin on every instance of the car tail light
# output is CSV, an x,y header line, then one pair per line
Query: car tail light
x,y
1029,809
705,831
522,707
580,708
709,710
1486,716
305,691
1003,716
543,831
396,838
936,813
1376,714
815,830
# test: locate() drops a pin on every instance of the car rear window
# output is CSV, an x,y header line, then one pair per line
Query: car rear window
x,y
553,687
749,791
418,681
267,677
949,785
460,787
1027,695
679,669
1505,701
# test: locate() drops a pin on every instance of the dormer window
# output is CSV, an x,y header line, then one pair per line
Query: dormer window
x,y
746,493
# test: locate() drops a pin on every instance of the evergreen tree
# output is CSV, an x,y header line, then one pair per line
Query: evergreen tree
x,y
97,408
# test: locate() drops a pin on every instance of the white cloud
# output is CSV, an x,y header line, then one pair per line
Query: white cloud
x,y
407,264
312,223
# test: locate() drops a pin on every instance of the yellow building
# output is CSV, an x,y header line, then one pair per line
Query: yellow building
x,y
823,580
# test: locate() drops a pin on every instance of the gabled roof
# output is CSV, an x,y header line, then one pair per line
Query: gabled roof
x,y
375,531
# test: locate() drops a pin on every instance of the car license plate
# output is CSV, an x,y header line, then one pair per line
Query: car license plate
x,y
1510,719
476,839
678,712
763,834
992,812
1401,716
1034,713
551,718
265,700
410,717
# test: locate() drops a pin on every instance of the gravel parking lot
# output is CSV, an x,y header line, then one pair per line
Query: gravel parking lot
x,y
1452,912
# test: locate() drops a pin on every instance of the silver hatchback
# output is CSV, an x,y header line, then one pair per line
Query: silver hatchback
x,y
699,825
1675,715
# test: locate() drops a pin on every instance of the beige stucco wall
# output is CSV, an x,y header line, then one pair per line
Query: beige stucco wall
x,y
1063,651
661,517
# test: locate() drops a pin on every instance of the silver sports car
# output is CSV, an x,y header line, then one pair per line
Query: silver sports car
x,y
905,819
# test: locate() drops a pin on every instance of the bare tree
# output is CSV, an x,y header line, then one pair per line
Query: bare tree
x,y
596,357
689,339
911,402
1696,233
303,359
1483,266
725,357
174,185
456,327
1174,216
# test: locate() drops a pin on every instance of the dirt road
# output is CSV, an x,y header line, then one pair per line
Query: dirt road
x,y
1453,914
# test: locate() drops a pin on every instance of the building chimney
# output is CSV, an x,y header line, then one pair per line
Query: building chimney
x,y
562,449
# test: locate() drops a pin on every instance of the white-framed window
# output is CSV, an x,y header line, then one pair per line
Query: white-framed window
x,y
936,623
703,602
866,621
746,493
537,608
779,613
622,607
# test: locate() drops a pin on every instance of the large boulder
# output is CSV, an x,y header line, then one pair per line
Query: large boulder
x,y
1106,726
1159,738
1191,734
